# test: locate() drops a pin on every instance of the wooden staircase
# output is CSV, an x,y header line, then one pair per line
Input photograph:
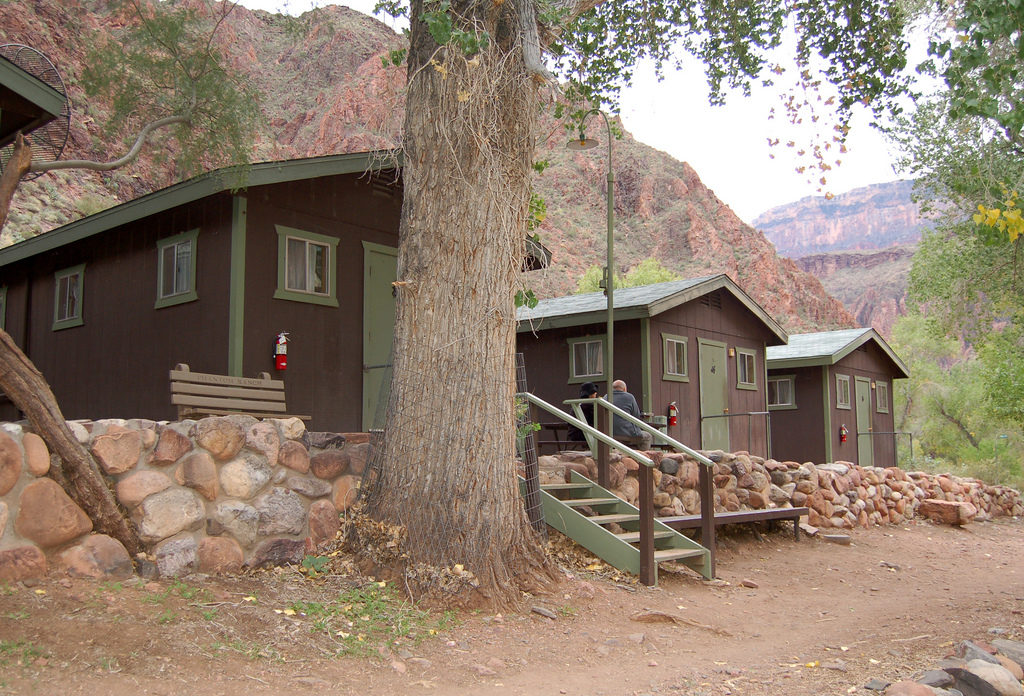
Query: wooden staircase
x,y
582,510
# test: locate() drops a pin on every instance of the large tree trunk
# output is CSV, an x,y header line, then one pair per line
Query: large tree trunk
x,y
447,463
78,473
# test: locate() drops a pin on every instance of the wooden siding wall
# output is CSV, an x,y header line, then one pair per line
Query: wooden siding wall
x,y
867,361
546,356
734,325
115,364
324,376
799,434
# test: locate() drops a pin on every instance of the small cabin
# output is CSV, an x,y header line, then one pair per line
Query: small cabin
x,y
697,343
830,397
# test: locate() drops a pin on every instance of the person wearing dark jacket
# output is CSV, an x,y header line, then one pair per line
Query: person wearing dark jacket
x,y
622,430
588,390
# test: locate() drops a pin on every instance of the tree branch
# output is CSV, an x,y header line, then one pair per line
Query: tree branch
x,y
958,423
114,164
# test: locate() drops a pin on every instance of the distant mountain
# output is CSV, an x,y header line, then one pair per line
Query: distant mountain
x,y
872,217
859,245
326,91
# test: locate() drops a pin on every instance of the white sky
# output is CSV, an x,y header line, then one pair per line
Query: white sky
x,y
726,145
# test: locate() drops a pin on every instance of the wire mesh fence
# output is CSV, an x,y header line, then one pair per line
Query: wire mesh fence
x,y
526,446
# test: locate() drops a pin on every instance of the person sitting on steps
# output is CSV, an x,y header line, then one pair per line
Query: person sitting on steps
x,y
588,390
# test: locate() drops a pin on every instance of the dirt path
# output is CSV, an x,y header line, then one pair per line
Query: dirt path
x,y
819,618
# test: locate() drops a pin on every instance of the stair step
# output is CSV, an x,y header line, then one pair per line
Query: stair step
x,y
576,502
608,519
634,537
676,554
564,486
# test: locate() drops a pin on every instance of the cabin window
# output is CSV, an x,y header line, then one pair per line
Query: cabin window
x,y
675,366
882,397
306,267
67,305
842,391
782,392
746,369
176,269
3,307
586,359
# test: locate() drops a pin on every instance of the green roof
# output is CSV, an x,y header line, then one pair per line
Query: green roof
x,y
828,348
636,303
210,183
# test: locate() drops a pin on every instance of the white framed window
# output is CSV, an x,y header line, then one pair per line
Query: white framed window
x,y
746,369
843,391
67,301
586,359
176,269
675,363
782,392
306,264
882,397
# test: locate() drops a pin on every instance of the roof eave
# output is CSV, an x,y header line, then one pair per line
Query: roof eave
x,y
208,184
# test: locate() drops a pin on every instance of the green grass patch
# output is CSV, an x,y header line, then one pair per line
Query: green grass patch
x,y
19,652
360,620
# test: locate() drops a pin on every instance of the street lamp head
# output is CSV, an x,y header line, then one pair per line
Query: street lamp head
x,y
581,143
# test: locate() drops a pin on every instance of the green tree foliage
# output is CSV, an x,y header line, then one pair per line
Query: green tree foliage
x,y
647,272
982,64
169,63
964,144
943,405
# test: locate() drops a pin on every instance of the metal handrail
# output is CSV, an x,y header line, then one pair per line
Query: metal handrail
x,y
586,427
895,440
750,436
646,427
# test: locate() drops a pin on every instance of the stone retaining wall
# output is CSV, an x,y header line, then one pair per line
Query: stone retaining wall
x,y
839,494
212,495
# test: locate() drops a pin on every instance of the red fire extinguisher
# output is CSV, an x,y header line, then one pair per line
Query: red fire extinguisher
x,y
843,433
673,414
281,351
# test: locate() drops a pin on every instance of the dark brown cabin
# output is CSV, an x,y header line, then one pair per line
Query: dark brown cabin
x,y
699,343
822,383
200,274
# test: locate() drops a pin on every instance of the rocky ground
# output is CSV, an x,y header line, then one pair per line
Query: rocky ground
x,y
784,617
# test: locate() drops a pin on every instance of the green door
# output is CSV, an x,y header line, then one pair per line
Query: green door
x,y
714,395
865,440
379,272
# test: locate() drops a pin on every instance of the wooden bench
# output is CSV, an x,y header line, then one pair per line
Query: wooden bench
x,y
198,393
740,517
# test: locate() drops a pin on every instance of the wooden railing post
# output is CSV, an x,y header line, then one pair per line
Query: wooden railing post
x,y
648,571
707,514
603,451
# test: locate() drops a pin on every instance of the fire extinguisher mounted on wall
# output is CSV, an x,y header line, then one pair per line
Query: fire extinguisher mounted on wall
x,y
673,414
281,351
843,433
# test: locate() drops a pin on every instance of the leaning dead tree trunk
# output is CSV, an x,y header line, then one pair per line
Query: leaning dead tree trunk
x,y
78,474
447,463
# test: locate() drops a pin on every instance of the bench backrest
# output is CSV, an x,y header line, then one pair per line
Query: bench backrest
x,y
198,392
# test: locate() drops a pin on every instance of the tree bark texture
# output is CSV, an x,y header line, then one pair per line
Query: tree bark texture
x,y
78,473
16,167
446,467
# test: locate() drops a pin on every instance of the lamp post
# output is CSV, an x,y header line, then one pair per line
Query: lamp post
x,y
585,143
